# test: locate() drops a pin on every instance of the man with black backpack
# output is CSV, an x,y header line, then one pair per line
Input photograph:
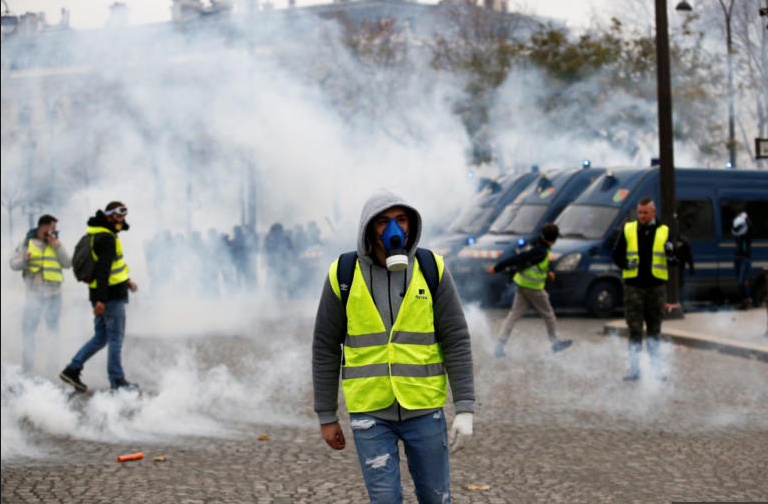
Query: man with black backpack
x,y
531,271
41,257
390,319
108,295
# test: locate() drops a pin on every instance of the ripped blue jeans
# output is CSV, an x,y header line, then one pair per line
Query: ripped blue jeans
x,y
425,441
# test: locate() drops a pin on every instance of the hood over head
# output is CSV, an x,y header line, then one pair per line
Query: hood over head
x,y
379,201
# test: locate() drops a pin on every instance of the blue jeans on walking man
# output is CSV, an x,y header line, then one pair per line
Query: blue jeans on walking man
x,y
110,330
35,307
425,440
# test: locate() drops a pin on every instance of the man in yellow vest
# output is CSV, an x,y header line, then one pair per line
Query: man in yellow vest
x,y
532,267
397,344
41,257
643,250
108,294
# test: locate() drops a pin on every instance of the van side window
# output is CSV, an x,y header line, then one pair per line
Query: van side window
x,y
758,215
696,219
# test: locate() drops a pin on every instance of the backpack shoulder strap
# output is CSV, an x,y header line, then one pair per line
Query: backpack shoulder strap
x,y
428,267
345,273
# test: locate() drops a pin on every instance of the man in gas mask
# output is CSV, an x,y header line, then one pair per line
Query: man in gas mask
x,y
108,295
395,311
41,258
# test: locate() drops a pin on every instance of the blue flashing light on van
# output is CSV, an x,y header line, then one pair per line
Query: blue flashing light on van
x,y
541,202
706,200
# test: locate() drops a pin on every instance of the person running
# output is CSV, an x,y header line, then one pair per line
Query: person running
x,y
530,279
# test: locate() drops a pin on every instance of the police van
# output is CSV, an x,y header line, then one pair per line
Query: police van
x,y
706,203
477,217
519,223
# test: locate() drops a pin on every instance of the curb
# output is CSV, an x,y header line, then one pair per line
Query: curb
x,y
728,346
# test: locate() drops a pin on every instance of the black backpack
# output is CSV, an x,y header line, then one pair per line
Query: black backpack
x,y
83,263
346,270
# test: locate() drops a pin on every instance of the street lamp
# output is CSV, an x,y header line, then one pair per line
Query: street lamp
x,y
666,154
731,114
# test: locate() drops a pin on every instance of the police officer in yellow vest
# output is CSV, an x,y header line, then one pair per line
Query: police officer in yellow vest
x,y
108,294
532,267
643,251
41,257
396,348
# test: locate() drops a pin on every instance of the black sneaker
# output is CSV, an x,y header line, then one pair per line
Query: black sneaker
x,y
560,345
123,384
72,376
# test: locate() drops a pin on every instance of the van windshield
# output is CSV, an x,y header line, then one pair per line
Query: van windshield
x,y
504,218
588,222
472,220
525,220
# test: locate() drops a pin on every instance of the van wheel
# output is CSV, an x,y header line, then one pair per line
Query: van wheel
x,y
603,299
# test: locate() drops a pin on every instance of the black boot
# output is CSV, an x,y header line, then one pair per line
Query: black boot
x,y
123,384
72,376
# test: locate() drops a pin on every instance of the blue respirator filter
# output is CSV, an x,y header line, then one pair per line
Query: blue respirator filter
x,y
393,238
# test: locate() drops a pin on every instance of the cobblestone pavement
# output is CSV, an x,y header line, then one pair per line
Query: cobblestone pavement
x,y
548,428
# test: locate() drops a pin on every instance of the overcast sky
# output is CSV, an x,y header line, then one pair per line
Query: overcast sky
x,y
94,13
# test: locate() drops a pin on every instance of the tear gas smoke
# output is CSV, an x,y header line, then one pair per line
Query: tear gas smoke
x,y
199,132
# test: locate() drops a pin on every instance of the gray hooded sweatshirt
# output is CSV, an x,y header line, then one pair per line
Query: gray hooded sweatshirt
x,y
387,289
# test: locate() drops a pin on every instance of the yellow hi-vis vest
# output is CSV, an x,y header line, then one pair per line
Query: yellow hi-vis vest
x,y
659,262
533,277
45,260
118,272
407,363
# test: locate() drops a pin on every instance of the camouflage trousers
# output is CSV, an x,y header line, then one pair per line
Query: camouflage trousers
x,y
644,305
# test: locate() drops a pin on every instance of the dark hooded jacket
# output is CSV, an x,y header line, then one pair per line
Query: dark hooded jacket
x,y
518,262
104,247
387,289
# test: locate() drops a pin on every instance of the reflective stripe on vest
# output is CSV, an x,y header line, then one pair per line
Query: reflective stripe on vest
x,y
118,271
406,364
659,261
45,260
533,277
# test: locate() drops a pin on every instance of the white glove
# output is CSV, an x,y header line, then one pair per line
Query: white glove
x,y
632,264
461,430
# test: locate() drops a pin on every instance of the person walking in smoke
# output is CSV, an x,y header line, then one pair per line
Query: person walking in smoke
x,y
532,273
395,311
108,293
742,259
41,257
281,259
642,251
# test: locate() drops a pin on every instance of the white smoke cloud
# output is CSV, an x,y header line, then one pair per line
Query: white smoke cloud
x,y
171,126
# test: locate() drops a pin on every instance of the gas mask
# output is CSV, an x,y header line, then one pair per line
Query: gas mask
x,y
393,238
